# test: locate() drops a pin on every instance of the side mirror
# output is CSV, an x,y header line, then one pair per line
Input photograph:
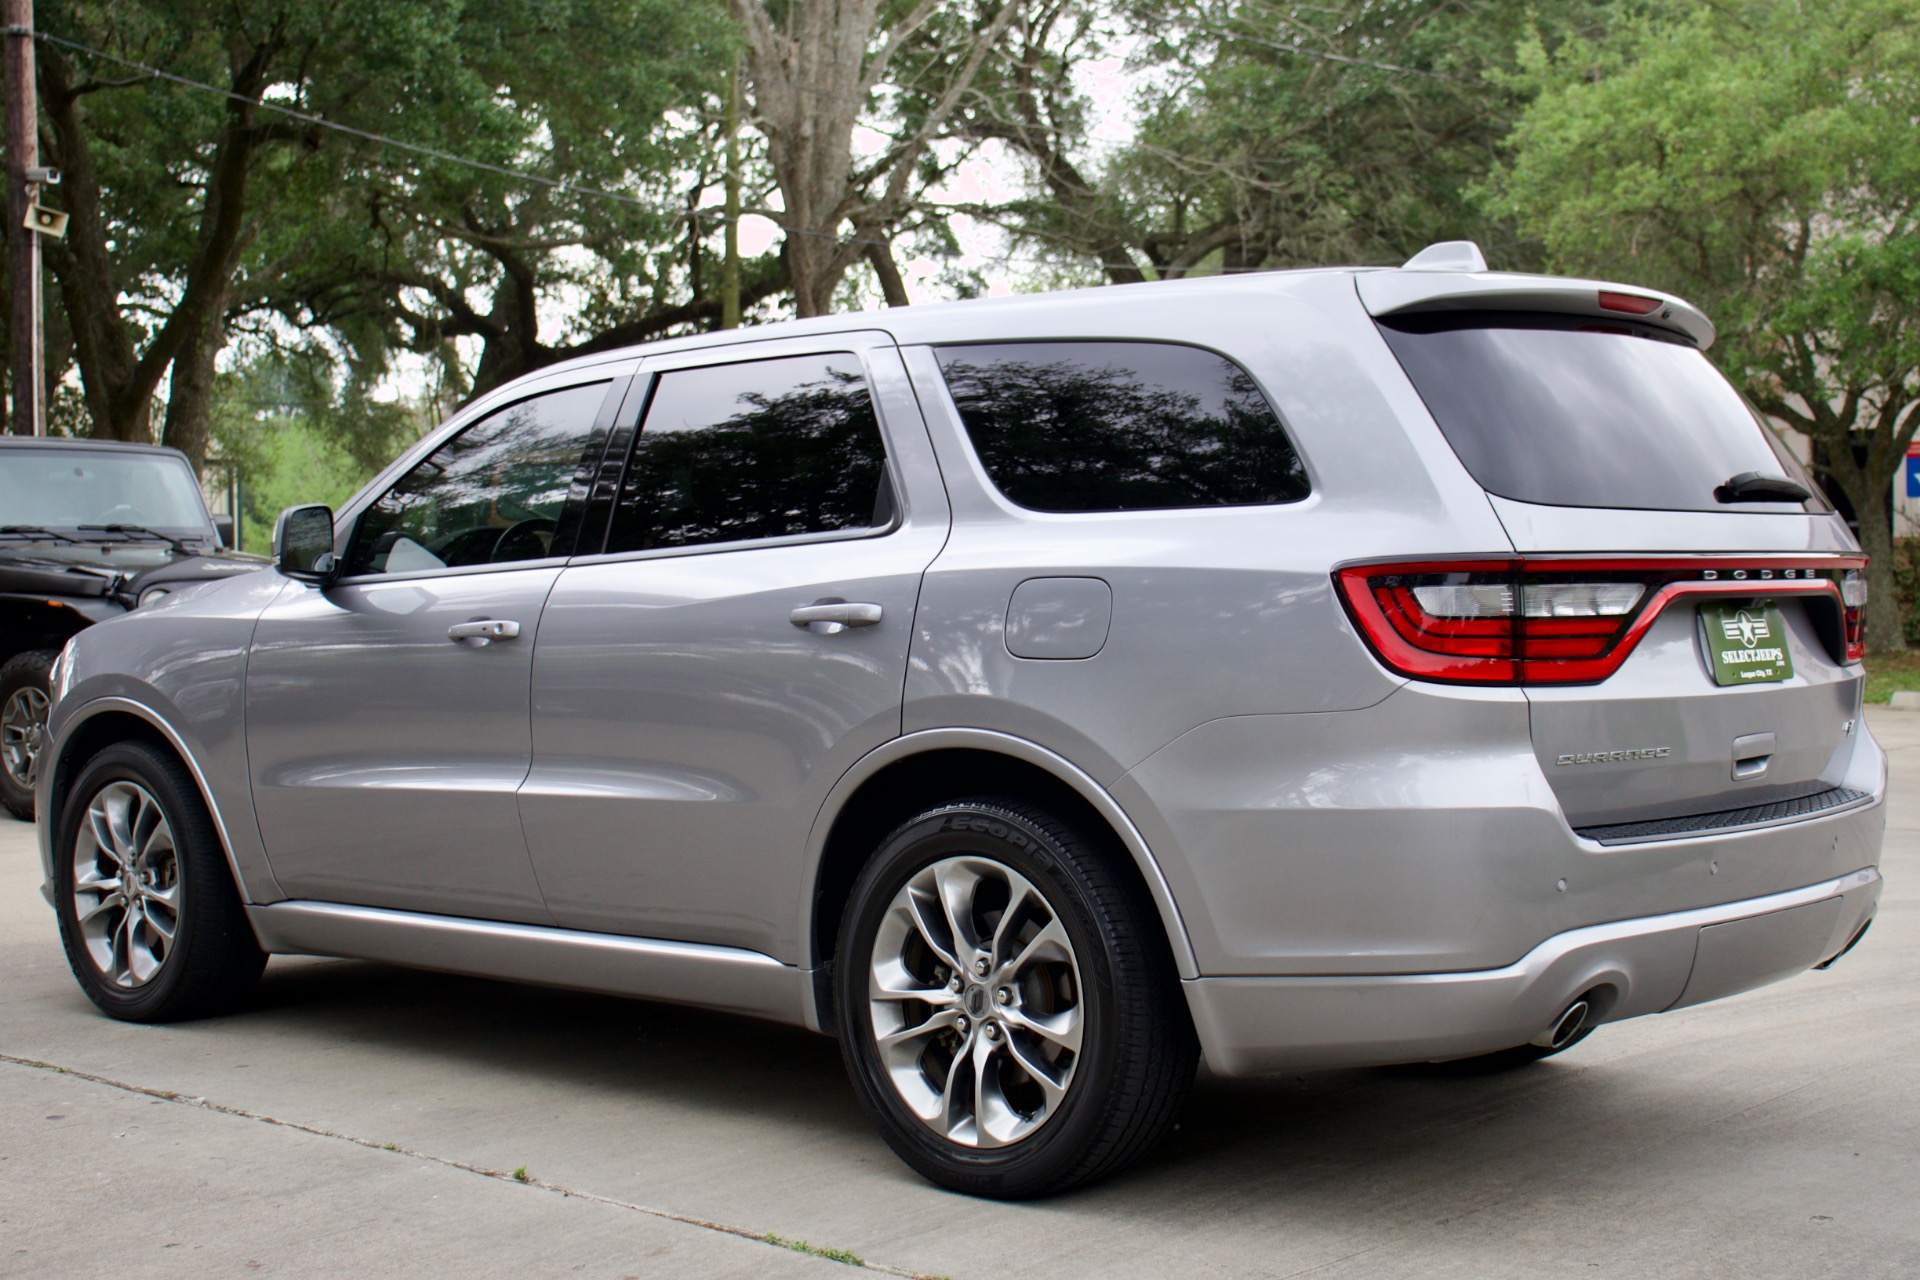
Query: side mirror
x,y
223,525
303,544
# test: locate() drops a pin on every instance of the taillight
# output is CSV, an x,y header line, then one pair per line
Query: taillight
x,y
1853,595
1562,620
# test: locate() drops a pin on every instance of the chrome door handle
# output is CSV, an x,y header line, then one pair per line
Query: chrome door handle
x,y
829,616
479,632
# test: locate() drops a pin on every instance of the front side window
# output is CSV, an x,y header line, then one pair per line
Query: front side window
x,y
493,494
1120,426
764,449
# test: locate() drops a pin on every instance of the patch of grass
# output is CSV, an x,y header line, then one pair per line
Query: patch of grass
x,y
846,1256
390,1147
1891,673
520,1174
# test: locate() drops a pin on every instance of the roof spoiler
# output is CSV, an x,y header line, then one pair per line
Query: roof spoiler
x,y
1453,276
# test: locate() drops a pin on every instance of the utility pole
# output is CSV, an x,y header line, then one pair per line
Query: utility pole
x,y
730,264
23,245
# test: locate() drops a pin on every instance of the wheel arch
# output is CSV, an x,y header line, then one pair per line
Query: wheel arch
x,y
919,770
100,724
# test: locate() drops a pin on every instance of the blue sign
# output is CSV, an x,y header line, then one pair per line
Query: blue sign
x,y
1913,476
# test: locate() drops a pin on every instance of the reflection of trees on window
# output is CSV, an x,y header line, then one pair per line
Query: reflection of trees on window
x,y
512,468
1120,426
760,450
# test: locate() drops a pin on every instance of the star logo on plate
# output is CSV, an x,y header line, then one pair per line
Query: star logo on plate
x,y
1746,628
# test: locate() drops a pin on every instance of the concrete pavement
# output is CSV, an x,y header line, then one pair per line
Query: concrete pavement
x,y
1776,1134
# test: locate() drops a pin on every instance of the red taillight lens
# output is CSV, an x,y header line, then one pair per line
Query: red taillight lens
x,y
1558,621
1853,595
1631,303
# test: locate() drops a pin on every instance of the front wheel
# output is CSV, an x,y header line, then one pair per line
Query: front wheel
x,y
24,703
151,921
1009,1015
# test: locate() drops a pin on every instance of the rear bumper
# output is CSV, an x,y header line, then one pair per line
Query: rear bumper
x,y
1249,1025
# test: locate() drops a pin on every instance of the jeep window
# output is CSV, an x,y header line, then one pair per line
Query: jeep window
x,y
1120,426
1576,412
493,494
65,488
763,449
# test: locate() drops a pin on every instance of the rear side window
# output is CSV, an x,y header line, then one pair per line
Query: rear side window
x,y
1120,426
764,449
1575,412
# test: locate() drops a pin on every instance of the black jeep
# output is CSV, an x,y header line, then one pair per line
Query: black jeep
x,y
88,530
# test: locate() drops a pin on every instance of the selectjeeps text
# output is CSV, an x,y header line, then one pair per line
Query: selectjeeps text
x,y
1309,669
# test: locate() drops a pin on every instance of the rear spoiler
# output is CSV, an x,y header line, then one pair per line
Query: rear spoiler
x,y
1453,277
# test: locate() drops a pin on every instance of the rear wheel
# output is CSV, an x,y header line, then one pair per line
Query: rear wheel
x,y
151,921
1008,1013
24,704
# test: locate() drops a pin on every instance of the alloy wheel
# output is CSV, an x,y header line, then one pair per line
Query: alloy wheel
x,y
975,999
126,884
23,727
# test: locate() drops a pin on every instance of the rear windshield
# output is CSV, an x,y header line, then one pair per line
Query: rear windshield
x,y
1577,412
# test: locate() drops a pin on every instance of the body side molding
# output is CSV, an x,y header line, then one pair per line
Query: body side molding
x,y
692,973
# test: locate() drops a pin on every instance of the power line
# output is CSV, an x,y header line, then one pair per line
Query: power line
x,y
557,184
321,122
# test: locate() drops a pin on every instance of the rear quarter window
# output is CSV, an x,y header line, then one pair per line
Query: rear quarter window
x,y
1120,426
1573,411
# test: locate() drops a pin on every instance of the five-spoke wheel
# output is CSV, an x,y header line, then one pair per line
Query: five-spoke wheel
x,y
23,728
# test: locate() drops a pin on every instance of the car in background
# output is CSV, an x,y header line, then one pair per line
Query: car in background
x,y
89,530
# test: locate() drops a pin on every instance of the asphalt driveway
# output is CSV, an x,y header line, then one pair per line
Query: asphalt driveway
x,y
370,1121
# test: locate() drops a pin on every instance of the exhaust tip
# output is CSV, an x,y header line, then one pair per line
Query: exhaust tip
x,y
1852,942
1565,1027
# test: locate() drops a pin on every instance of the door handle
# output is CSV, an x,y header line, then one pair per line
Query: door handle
x,y
477,633
829,616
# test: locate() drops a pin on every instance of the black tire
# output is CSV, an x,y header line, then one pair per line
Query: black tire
x,y
1137,1051
24,687
213,959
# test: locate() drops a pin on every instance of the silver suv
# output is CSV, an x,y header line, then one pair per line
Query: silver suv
x,y
1313,669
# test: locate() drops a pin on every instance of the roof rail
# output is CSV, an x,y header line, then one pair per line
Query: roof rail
x,y
1448,255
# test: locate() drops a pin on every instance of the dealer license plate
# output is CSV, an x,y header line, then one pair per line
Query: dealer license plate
x,y
1748,644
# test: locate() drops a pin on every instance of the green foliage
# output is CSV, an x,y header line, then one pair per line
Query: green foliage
x,y
360,246
292,437
1275,134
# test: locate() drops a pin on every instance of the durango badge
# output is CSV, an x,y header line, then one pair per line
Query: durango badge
x,y
1609,757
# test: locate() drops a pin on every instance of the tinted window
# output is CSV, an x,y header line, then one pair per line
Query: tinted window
x,y
1120,426
1576,412
495,493
766,449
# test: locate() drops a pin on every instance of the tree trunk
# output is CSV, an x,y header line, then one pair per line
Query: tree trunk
x,y
121,378
190,402
1886,629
